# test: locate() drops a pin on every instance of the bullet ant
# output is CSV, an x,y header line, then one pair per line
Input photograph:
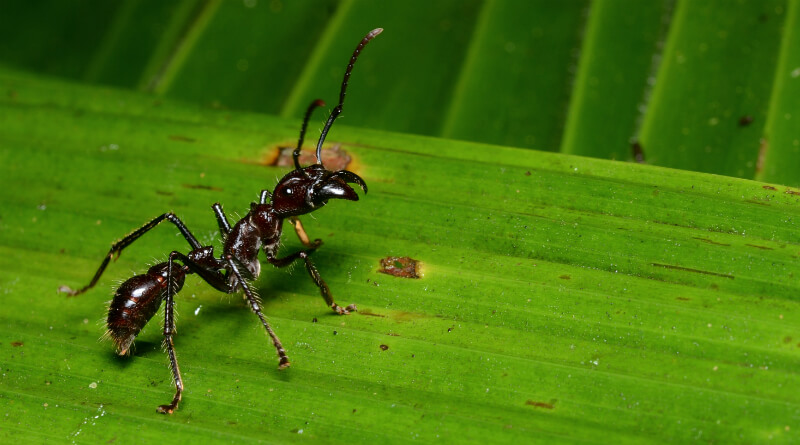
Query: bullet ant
x,y
301,191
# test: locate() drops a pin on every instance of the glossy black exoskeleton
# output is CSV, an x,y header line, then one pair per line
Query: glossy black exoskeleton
x,y
301,191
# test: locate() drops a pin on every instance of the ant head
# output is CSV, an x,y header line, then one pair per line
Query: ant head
x,y
306,189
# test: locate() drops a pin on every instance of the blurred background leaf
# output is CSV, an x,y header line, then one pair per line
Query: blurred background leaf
x,y
707,86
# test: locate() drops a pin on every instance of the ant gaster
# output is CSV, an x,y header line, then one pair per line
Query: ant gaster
x,y
301,191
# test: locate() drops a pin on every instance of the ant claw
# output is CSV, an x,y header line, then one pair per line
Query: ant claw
x,y
166,409
343,311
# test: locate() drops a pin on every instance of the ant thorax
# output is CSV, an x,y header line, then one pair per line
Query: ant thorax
x,y
260,227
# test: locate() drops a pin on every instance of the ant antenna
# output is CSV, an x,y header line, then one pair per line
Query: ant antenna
x,y
338,109
296,152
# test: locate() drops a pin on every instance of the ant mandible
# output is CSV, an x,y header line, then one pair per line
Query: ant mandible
x,y
301,191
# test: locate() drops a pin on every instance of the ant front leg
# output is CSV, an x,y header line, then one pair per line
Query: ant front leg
x,y
312,270
117,247
301,234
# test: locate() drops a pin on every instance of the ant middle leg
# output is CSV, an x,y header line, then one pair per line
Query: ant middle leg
x,y
117,247
315,276
169,331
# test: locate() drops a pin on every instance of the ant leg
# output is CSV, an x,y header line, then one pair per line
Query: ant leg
x,y
301,234
222,220
312,270
255,305
116,248
169,330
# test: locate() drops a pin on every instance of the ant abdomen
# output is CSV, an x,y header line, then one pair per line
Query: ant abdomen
x,y
137,300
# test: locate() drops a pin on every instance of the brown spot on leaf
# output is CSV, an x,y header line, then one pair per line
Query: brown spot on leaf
x,y
334,158
768,187
706,240
682,298
760,247
787,339
369,313
384,347
745,120
763,147
638,152
403,267
177,137
202,187
565,277
687,269
17,344
544,405
791,192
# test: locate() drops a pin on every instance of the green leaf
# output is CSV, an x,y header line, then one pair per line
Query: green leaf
x,y
614,77
716,76
780,146
563,299
704,86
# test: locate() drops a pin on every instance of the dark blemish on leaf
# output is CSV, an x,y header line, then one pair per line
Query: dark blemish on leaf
x,y
392,334
745,120
541,404
314,320
683,298
202,187
334,332
384,347
565,277
176,137
334,158
527,173
706,240
403,267
17,344
688,269
791,192
369,313
787,339
763,147
354,410
638,152
760,247
163,193
768,187
450,329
